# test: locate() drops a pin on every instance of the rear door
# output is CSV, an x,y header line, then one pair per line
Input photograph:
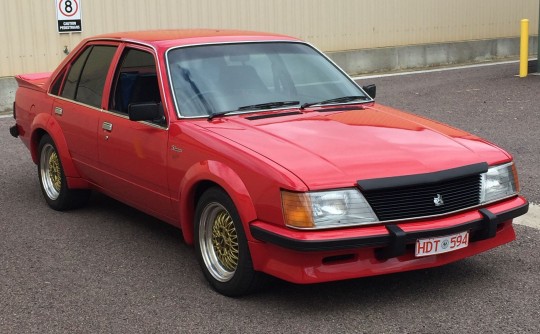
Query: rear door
x,y
133,155
77,106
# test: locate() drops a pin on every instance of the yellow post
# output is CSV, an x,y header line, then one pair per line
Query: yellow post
x,y
524,49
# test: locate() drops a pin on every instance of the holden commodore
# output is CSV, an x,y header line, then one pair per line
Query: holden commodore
x,y
270,159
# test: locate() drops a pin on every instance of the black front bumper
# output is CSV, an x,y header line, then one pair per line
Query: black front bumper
x,y
394,243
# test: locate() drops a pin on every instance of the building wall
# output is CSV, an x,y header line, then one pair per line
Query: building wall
x,y
31,43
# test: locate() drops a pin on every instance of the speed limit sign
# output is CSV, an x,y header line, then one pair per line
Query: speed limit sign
x,y
68,15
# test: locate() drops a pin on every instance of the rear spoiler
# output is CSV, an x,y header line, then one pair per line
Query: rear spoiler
x,y
34,81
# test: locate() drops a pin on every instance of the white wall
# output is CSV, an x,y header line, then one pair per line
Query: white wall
x,y
30,41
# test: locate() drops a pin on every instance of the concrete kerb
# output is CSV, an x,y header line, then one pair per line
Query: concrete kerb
x,y
532,218
8,86
422,56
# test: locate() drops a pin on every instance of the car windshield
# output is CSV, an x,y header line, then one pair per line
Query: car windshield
x,y
217,79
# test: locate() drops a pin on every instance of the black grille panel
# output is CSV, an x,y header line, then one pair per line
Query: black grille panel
x,y
419,200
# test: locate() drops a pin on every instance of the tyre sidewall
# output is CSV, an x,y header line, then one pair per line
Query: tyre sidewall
x,y
61,202
244,277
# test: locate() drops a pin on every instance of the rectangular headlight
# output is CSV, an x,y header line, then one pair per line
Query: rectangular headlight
x,y
499,182
326,209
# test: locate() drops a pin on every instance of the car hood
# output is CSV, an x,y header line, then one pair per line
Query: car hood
x,y
332,148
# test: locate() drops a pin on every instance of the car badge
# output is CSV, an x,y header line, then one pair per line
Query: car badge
x,y
438,200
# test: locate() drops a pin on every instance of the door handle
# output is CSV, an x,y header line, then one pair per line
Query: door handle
x,y
107,126
59,111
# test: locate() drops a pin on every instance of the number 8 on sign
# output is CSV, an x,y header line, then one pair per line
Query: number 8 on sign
x,y
68,7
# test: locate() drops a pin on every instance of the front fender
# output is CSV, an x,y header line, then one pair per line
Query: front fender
x,y
47,123
225,177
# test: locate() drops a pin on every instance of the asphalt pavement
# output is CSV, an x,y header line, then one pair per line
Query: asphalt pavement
x,y
108,268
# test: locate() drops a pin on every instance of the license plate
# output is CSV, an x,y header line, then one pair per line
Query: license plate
x,y
439,245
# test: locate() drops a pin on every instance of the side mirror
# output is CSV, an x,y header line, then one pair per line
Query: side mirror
x,y
146,111
371,90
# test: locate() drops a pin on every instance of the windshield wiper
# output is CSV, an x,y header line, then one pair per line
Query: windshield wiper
x,y
219,114
269,105
343,99
260,106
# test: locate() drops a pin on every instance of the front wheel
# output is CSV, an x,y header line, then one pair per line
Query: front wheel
x,y
221,246
53,181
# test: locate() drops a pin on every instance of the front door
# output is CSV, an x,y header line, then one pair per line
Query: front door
x,y
133,155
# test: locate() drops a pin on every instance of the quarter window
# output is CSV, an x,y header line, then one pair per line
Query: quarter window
x,y
55,87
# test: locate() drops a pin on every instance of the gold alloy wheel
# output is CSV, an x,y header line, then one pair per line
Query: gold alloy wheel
x,y
225,240
218,240
50,171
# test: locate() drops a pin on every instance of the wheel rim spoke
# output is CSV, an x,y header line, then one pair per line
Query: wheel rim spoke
x,y
225,241
54,171
50,172
218,239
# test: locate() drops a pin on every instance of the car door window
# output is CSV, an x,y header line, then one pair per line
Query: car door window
x,y
135,81
94,73
87,75
70,87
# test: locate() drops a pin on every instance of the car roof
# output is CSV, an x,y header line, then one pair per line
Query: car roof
x,y
169,38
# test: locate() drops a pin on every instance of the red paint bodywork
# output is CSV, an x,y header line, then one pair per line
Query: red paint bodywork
x,y
253,160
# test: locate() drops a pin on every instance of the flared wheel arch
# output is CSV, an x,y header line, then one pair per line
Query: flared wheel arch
x,y
200,178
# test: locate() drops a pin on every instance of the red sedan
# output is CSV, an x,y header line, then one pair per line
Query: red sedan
x,y
268,157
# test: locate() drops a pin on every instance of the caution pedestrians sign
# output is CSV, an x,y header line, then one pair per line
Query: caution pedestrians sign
x,y
68,15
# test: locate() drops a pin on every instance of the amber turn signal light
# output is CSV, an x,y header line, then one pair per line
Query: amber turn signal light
x,y
297,209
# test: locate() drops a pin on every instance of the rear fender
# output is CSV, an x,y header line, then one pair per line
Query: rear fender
x,y
45,123
223,176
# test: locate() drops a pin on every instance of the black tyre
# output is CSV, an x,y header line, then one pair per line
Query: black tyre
x,y
221,246
53,181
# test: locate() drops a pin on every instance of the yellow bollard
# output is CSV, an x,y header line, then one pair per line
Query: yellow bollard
x,y
524,49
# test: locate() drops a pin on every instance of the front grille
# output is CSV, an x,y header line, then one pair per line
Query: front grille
x,y
419,200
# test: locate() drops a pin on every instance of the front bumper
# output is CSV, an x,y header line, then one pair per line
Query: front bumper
x,y
374,250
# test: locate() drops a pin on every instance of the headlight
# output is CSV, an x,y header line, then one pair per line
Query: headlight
x,y
499,182
325,209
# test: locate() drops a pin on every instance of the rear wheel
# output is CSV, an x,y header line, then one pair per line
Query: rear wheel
x,y
53,181
221,246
